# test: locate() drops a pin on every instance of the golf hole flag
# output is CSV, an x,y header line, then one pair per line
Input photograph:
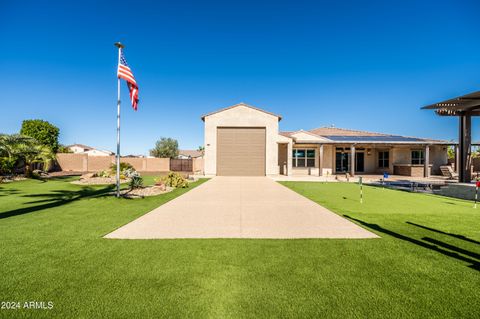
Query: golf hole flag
x,y
125,73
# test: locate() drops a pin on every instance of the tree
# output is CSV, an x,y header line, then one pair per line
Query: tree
x,y
44,132
18,149
451,152
475,153
36,153
165,147
10,151
63,149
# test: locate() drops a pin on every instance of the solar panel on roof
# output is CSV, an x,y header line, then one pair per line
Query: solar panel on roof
x,y
389,138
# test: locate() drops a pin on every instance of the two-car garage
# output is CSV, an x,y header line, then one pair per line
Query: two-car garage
x,y
240,151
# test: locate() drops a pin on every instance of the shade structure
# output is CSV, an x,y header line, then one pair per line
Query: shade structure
x,y
463,107
458,106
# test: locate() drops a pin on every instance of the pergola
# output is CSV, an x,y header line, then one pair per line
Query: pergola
x,y
464,107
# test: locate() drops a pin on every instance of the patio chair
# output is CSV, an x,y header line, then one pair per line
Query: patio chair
x,y
447,171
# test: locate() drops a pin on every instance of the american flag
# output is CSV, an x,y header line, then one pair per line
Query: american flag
x,y
125,73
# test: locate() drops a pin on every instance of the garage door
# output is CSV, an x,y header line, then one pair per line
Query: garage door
x,y
241,151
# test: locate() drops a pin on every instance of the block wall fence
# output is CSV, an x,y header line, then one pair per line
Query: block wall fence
x,y
85,163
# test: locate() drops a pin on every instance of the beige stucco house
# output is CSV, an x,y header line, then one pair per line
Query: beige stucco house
x,y
90,151
242,140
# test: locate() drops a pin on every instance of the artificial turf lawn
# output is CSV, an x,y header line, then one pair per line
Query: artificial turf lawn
x,y
425,265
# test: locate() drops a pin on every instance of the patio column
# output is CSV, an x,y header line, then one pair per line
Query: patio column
x,y
464,145
352,160
320,160
426,164
457,158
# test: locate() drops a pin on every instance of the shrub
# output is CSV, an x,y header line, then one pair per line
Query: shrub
x,y
7,165
129,172
136,181
123,167
63,149
174,179
102,174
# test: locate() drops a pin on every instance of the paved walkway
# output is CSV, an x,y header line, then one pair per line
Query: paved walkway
x,y
240,207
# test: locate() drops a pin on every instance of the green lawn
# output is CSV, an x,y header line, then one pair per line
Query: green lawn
x,y
426,263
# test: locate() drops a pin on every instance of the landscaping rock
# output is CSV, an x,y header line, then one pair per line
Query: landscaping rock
x,y
146,191
99,181
87,176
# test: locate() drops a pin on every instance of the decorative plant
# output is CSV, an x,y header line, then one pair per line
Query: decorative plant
x,y
174,179
102,174
123,167
129,172
136,181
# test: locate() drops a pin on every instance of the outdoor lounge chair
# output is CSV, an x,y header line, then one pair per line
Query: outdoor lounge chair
x,y
447,171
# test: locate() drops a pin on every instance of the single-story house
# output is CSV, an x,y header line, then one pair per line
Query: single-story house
x,y
90,151
188,154
242,140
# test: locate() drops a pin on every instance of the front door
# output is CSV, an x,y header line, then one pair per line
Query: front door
x,y
360,162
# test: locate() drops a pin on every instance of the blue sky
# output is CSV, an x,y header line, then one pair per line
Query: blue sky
x,y
365,65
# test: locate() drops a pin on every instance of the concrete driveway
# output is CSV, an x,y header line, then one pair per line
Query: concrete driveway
x,y
240,207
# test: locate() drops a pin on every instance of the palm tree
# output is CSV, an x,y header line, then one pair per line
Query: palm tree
x,y
25,149
32,152
9,143
9,151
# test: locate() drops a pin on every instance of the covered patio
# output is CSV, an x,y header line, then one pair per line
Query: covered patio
x,y
332,151
463,107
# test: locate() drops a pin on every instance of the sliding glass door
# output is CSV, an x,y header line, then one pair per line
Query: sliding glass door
x,y
342,162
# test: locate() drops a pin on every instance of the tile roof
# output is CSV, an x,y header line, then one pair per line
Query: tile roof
x,y
191,153
81,145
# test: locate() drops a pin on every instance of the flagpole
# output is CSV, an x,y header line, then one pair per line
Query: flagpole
x,y
120,47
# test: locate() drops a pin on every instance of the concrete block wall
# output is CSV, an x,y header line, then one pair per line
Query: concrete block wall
x,y
85,163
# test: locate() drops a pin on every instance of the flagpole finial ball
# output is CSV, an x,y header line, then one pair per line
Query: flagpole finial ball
x,y
119,45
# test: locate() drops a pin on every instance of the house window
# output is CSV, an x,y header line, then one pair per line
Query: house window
x,y
303,158
383,159
418,157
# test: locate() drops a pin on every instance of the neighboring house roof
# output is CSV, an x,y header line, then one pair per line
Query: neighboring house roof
x,y
341,135
88,149
134,156
244,105
190,153
81,146
99,151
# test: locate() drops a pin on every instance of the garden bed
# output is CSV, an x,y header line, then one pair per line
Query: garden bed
x,y
99,180
145,191
12,178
